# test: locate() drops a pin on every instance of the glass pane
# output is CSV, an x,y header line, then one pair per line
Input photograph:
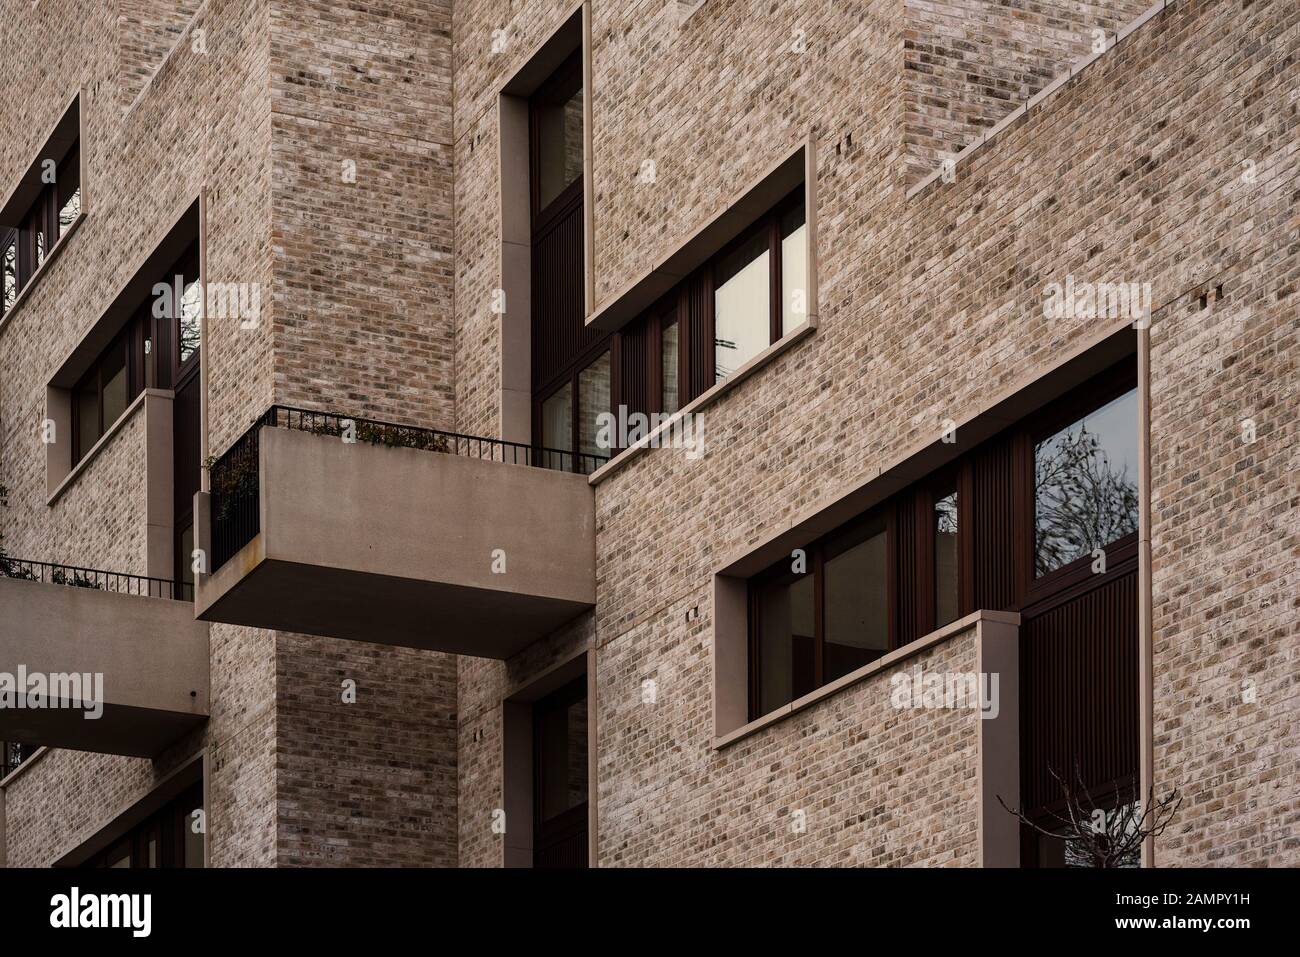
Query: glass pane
x,y
787,641
189,321
559,147
857,600
113,375
9,274
153,852
557,427
87,418
593,400
562,755
193,839
670,397
70,211
794,270
1085,485
742,306
946,597
40,247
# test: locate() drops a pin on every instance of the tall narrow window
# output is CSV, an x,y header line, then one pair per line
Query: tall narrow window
x,y
557,423
8,270
1085,485
947,594
560,775
593,402
670,400
742,305
786,639
69,191
557,134
856,575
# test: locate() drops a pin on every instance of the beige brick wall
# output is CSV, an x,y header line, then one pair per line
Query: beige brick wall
x,y
356,314
1133,172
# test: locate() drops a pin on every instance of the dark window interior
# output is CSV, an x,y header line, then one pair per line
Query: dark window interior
x,y
560,777
1013,525
168,838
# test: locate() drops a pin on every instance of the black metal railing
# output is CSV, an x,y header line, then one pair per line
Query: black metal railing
x,y
236,518
96,578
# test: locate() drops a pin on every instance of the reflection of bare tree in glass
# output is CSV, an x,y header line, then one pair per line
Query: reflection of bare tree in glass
x,y
1082,503
945,512
1107,831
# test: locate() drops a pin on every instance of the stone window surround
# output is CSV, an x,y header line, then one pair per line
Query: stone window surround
x,y
60,472
514,182
730,618
517,756
69,128
1038,100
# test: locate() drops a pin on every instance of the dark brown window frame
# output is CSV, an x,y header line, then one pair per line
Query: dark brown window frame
x,y
911,590
572,822
558,88
145,366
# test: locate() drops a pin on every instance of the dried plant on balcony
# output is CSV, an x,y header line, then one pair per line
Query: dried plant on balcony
x,y
1106,836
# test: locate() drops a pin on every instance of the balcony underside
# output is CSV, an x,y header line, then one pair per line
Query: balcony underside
x,y
406,547
152,655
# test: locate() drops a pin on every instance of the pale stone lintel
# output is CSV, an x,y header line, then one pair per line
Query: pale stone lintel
x,y
895,657
1036,101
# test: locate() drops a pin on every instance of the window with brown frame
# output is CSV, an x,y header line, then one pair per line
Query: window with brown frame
x,y
170,837
1043,510
157,348
25,247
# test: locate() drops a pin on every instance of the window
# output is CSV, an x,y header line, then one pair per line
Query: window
x,y
947,584
8,270
159,331
819,616
1085,485
556,112
47,220
953,542
560,777
669,401
573,410
760,287
104,392
742,305
171,837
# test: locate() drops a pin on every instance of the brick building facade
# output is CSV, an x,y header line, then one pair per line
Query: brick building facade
x,y
366,170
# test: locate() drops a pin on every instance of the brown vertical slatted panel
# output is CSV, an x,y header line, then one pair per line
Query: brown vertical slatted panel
x,y
993,504
698,338
908,603
634,367
1079,691
559,331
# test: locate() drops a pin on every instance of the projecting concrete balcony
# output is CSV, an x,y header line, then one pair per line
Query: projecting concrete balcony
x,y
354,529
98,661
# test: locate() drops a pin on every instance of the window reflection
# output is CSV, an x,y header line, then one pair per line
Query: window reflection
x,y
670,399
593,401
946,595
742,324
1085,485
794,270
